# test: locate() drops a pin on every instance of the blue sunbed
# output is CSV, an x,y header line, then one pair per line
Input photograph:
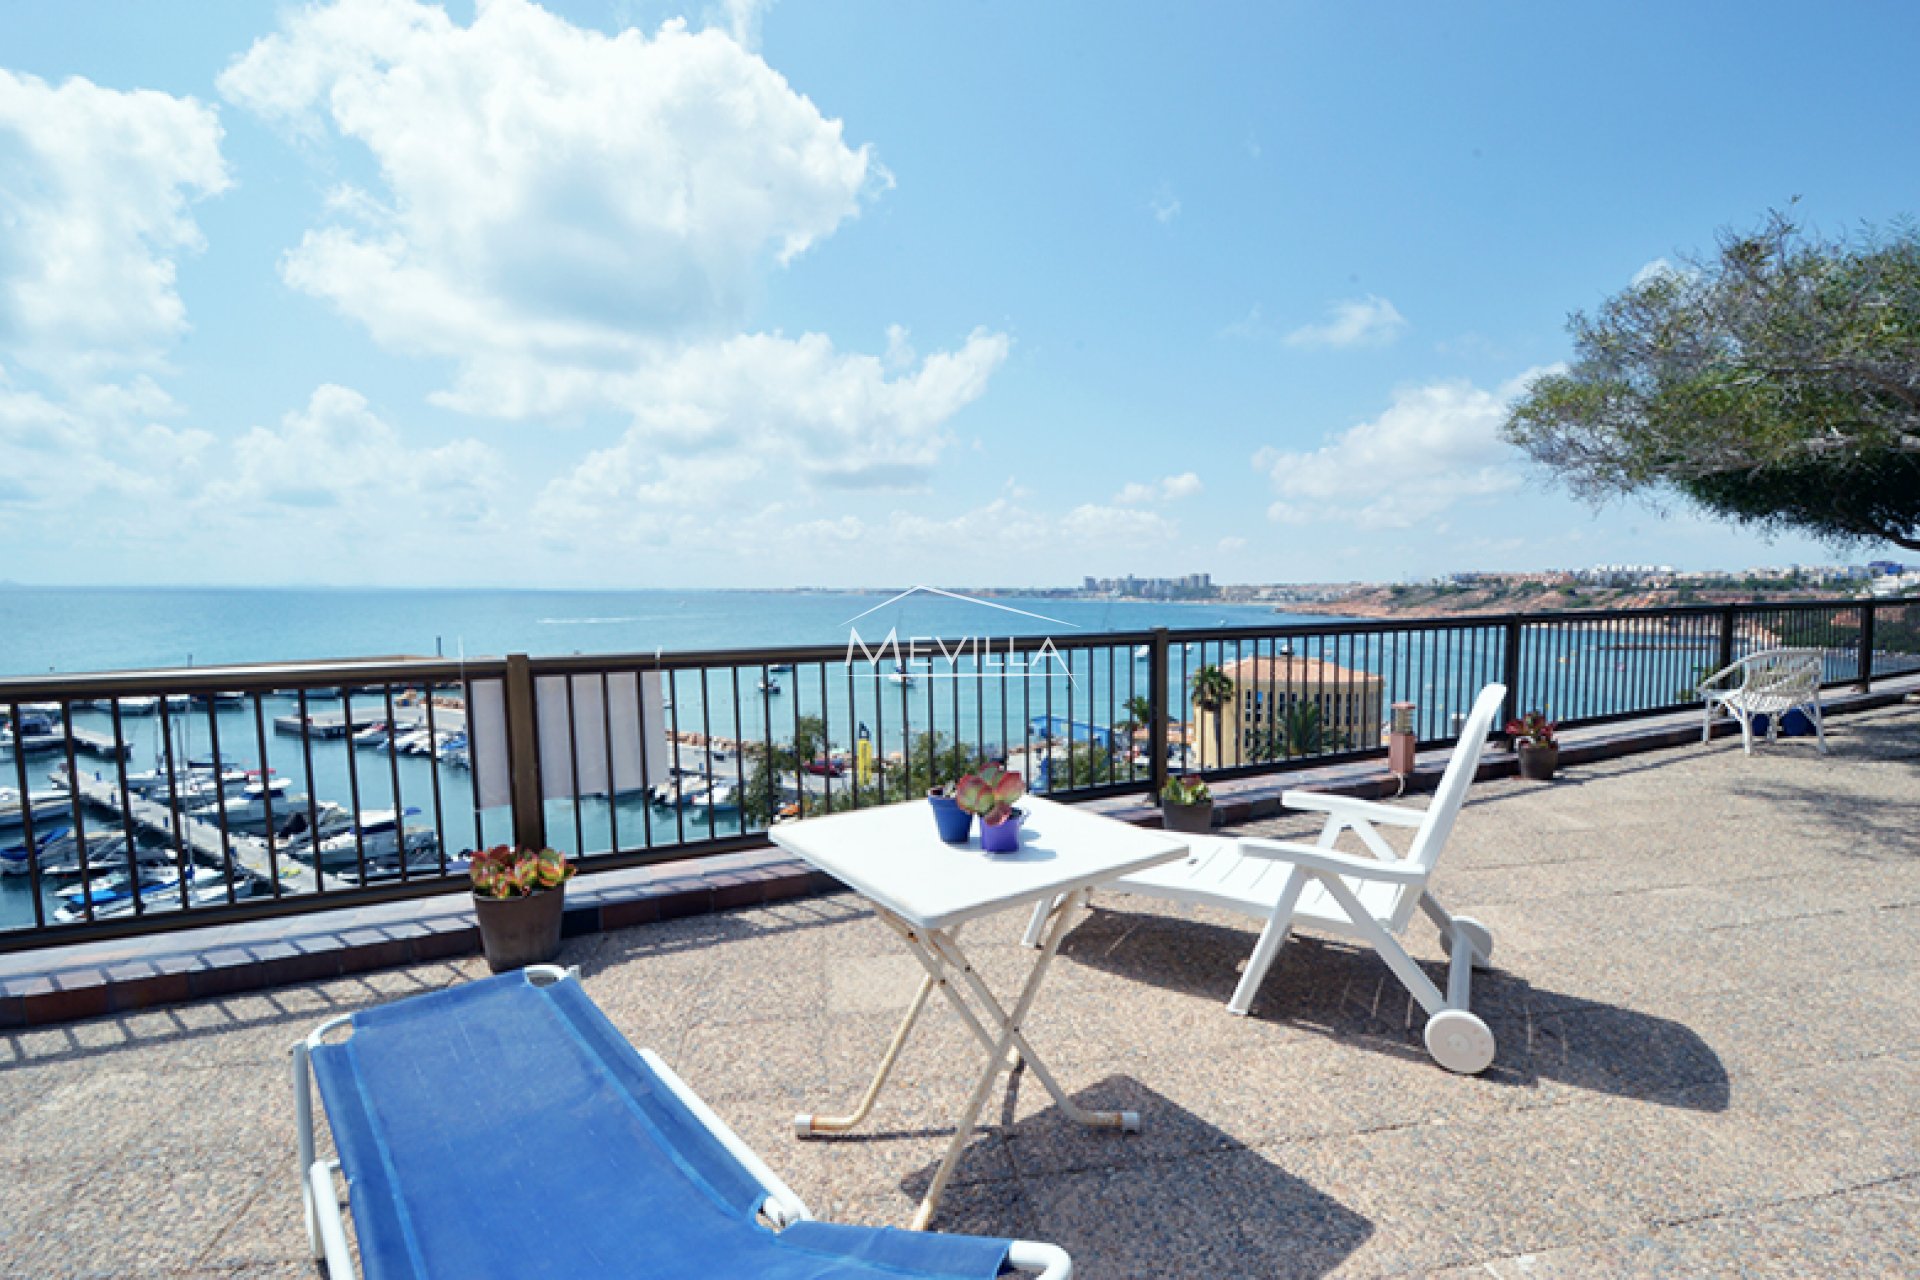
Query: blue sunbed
x,y
505,1128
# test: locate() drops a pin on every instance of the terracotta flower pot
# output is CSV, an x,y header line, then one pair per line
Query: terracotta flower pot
x,y
1538,761
517,932
1194,819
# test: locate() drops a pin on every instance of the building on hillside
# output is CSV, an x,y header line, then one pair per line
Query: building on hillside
x,y
1253,725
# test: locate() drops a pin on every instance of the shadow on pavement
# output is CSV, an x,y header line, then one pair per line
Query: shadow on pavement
x,y
1346,993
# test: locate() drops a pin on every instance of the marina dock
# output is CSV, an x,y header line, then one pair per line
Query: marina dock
x,y
95,743
202,839
333,724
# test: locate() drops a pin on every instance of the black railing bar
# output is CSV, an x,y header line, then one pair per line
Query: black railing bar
x,y
799,765
613,778
266,794
646,763
393,769
433,778
473,754
353,791
73,793
573,764
219,804
182,852
313,793
740,753
673,757
126,801
26,819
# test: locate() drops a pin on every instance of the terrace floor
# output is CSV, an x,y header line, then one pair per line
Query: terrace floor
x,y
1707,995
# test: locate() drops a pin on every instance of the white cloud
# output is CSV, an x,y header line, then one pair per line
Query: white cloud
x,y
1653,271
95,187
339,463
1436,445
1232,543
726,414
581,222
743,20
1164,206
576,187
1357,322
1165,489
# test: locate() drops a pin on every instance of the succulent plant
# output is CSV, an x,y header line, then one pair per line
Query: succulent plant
x,y
506,872
990,793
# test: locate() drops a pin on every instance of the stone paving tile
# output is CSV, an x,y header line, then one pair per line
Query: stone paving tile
x,y
1872,1231
1233,1213
139,1214
1709,1061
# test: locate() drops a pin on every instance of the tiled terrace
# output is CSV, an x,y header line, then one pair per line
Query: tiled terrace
x,y
1705,991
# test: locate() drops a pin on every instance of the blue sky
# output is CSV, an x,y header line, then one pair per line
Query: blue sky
x,y
750,294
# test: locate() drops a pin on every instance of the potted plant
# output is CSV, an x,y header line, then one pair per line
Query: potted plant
x,y
1533,740
518,895
1186,805
954,823
989,795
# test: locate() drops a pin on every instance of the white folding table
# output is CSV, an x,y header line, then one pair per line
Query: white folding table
x,y
925,890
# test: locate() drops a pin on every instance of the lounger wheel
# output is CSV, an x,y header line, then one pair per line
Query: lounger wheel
x,y
1460,1042
1477,933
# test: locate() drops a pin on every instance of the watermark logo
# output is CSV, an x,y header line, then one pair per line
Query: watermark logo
x,y
971,657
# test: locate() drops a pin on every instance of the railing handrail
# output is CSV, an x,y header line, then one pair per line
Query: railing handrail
x,y
267,677
1158,664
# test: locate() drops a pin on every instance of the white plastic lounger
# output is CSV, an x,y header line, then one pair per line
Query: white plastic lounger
x,y
505,1129
1370,898
1772,683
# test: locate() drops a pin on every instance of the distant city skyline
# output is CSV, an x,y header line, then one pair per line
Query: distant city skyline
x,y
625,293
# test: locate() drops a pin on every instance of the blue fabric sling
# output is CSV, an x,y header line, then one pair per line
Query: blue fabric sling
x,y
502,1129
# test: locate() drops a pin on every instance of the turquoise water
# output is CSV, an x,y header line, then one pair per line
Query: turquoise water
x,y
70,629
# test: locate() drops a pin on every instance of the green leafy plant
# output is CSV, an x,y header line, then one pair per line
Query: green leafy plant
x,y
1212,689
1189,790
1533,729
506,872
990,793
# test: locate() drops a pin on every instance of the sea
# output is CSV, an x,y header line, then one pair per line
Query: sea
x,y
45,630
53,631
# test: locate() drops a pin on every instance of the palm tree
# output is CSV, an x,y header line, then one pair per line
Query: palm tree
x,y
1212,690
1303,731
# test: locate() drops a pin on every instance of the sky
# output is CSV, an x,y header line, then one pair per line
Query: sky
x,y
612,293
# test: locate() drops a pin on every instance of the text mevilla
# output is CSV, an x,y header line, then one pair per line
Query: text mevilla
x,y
988,657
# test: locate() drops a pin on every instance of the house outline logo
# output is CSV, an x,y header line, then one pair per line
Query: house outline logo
x,y
921,653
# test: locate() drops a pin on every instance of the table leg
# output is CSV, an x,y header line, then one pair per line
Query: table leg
x,y
939,953
1126,1121
806,1125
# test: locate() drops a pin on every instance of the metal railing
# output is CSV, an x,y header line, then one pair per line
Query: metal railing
x,y
157,800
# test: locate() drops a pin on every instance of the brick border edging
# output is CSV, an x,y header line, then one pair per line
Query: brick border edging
x,y
117,986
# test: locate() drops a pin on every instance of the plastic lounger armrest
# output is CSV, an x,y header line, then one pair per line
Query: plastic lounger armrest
x,y
1326,860
1049,1260
1384,815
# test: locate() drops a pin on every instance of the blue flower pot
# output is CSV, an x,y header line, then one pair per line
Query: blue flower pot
x,y
1795,724
1002,837
954,823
